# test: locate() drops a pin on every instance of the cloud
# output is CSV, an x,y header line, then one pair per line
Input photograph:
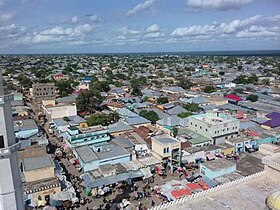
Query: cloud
x,y
129,31
153,28
141,7
216,28
7,16
10,30
221,5
74,19
58,34
258,31
94,18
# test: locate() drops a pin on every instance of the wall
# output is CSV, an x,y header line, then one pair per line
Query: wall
x,y
39,174
194,197
43,193
26,133
60,111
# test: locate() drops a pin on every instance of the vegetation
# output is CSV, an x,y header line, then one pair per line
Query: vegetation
x,y
89,101
252,98
150,115
184,114
65,87
162,100
24,80
103,119
191,107
241,79
175,132
210,89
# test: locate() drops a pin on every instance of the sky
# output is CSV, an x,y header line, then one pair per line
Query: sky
x,y
112,26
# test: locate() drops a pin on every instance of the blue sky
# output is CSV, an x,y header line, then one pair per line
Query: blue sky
x,y
109,26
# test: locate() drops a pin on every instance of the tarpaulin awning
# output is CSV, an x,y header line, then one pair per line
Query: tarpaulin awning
x,y
146,172
193,186
180,193
211,156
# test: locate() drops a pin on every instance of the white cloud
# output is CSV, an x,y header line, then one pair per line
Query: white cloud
x,y
258,31
7,16
194,30
129,31
74,19
153,28
94,18
10,30
217,4
141,7
154,35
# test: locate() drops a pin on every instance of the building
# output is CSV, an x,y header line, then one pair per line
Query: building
x,y
25,128
216,126
42,91
60,111
216,168
11,189
40,183
241,144
86,136
90,160
167,149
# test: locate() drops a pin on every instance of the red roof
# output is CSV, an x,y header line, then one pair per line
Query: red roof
x,y
233,97
58,75
180,193
203,184
193,186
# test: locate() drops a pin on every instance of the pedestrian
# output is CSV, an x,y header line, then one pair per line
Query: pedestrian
x,y
152,203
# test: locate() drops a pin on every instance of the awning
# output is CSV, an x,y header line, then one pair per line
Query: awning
x,y
211,156
248,146
110,180
146,172
180,193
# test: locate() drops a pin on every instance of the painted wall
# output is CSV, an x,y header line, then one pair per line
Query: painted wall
x,y
213,174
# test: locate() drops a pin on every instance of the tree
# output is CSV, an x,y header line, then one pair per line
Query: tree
x,y
185,83
175,132
89,101
24,80
191,107
150,115
103,119
162,100
209,89
101,86
184,114
64,87
252,98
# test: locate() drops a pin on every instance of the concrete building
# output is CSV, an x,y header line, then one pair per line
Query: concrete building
x,y
216,168
167,149
60,111
40,183
11,188
90,136
216,126
241,144
25,128
90,160
42,91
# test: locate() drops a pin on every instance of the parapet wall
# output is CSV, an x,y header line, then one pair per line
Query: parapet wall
x,y
184,200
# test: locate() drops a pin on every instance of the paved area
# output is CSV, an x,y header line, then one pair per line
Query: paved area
x,y
250,195
249,164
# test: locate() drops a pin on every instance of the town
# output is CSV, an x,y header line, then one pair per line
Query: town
x,y
144,131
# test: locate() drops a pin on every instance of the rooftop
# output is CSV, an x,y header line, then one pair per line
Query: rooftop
x,y
34,163
165,139
86,154
218,164
214,118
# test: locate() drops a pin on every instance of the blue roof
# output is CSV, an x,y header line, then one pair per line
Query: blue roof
x,y
137,120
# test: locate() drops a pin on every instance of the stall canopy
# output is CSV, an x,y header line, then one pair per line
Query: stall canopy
x,y
90,183
180,193
146,172
211,156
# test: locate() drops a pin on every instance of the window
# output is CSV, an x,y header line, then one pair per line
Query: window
x,y
191,123
200,127
2,144
206,129
226,137
164,150
195,125
167,150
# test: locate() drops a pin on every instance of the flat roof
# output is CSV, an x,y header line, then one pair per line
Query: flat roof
x,y
86,154
213,118
112,151
34,163
165,139
218,164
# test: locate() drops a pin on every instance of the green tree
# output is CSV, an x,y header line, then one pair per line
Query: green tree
x,y
175,132
24,80
89,101
191,107
102,86
102,119
209,89
185,83
150,115
162,100
252,98
184,114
